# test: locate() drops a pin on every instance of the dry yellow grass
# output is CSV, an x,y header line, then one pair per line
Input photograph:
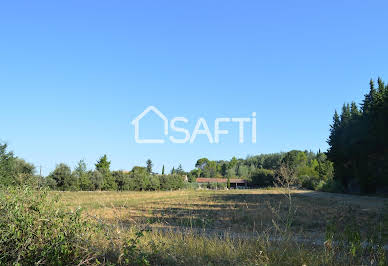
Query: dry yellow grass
x,y
235,211
236,227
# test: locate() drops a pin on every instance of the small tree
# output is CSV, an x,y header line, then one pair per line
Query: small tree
x,y
228,183
179,170
81,174
286,179
103,166
63,177
122,180
163,170
23,173
97,179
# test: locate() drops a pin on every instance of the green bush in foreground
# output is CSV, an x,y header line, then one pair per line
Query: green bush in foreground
x,y
36,229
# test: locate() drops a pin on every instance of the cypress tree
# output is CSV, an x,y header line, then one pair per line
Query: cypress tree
x,y
149,166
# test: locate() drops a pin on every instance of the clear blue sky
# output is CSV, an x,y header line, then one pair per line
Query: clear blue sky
x,y
74,74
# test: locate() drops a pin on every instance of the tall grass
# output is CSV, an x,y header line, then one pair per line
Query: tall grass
x,y
36,228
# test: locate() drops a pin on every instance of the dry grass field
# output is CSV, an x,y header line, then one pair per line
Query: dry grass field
x,y
260,226
192,227
234,211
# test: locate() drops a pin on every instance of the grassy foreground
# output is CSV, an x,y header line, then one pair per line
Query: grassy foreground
x,y
238,227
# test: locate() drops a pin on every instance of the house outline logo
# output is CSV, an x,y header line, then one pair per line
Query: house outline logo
x,y
135,123
201,128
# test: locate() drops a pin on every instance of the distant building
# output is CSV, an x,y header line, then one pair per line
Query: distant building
x,y
234,183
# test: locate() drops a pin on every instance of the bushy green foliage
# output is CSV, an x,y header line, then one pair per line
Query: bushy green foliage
x,y
311,170
63,178
132,254
23,173
309,182
168,182
191,185
15,171
97,179
35,228
260,169
6,162
193,175
103,165
122,180
262,177
140,180
216,185
330,186
109,182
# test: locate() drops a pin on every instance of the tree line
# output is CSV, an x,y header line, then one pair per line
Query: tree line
x,y
358,142
311,170
15,172
102,178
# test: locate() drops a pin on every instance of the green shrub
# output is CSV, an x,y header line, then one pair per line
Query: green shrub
x,y
168,182
331,185
189,185
211,185
262,177
221,185
132,254
154,183
215,185
309,182
36,229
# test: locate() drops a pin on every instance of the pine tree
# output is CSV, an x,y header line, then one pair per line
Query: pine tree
x,y
358,141
369,98
163,170
103,165
354,112
345,115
